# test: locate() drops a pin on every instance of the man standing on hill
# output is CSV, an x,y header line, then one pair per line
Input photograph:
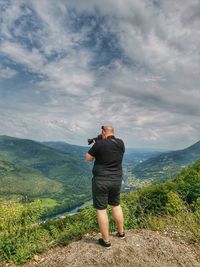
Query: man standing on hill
x,y
106,182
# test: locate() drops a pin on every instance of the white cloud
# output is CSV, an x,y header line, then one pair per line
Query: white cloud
x,y
12,11
7,73
32,60
150,92
70,75
68,71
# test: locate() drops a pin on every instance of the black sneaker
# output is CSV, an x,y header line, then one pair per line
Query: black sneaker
x,y
121,235
103,243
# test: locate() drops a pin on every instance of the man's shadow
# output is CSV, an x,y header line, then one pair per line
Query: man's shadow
x,y
90,240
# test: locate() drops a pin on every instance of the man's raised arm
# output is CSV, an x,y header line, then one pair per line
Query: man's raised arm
x,y
88,157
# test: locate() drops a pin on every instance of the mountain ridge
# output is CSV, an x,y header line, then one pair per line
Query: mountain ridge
x,y
167,164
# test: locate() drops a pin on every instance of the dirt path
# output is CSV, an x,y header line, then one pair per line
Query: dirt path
x,y
140,249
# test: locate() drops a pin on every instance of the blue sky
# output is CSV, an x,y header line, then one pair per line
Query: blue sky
x,y
68,67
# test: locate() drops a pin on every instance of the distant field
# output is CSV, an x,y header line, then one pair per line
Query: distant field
x,y
49,202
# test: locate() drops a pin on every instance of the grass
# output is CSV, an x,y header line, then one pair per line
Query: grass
x,y
48,202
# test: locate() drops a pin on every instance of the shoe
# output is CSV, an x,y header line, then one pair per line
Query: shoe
x,y
121,235
104,244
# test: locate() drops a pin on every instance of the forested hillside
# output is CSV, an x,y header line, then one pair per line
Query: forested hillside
x,y
164,166
31,169
25,181
68,148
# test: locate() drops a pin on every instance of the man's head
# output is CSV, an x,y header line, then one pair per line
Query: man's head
x,y
107,131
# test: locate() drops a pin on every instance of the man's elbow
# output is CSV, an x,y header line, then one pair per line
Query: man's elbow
x,y
88,157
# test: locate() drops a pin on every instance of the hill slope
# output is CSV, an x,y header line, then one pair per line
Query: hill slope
x,y
38,156
140,248
29,167
166,165
68,148
25,181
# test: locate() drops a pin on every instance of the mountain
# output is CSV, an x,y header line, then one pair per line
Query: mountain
x,y
58,171
134,157
35,169
166,165
38,156
19,179
68,148
57,162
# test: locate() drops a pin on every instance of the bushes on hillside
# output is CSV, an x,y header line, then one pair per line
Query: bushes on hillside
x,y
20,236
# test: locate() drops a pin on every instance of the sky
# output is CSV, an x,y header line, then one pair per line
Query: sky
x,y
69,66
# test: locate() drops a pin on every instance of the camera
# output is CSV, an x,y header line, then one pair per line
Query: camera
x,y
90,141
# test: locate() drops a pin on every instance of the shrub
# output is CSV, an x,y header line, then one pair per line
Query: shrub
x,y
20,237
174,204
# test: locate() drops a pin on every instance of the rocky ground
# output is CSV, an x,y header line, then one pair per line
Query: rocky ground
x,y
142,248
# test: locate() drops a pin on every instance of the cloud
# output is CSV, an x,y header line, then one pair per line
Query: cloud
x,y
10,12
81,64
32,60
6,73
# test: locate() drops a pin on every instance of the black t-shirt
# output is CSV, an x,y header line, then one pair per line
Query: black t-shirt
x,y
108,154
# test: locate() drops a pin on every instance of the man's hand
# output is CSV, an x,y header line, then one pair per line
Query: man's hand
x,y
88,157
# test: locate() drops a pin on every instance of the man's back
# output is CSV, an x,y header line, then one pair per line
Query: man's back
x,y
108,154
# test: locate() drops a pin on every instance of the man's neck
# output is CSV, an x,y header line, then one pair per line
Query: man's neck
x,y
109,135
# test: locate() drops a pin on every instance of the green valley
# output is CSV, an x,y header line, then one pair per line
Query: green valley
x,y
32,170
56,172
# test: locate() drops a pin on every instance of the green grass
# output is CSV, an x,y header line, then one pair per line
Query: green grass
x,y
48,202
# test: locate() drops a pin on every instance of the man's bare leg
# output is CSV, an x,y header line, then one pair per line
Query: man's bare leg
x,y
102,219
118,217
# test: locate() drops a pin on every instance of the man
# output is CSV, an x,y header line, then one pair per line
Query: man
x,y
106,183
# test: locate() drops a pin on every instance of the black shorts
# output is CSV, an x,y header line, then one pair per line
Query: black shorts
x,y
105,192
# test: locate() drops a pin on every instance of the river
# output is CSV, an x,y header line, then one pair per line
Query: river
x,y
71,212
